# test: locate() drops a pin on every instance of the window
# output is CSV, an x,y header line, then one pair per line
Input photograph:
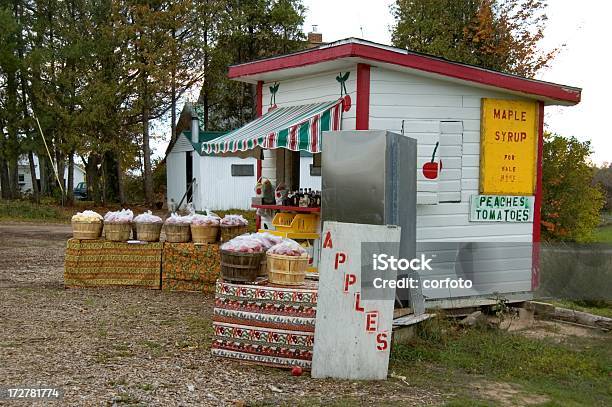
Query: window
x,y
315,171
21,178
243,170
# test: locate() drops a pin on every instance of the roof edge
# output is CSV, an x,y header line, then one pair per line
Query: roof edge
x,y
353,47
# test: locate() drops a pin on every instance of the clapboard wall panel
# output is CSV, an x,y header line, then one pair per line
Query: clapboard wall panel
x,y
397,97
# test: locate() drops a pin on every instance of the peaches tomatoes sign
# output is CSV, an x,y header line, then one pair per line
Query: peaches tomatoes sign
x,y
509,136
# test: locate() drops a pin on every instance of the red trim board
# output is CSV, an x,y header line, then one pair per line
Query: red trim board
x,y
535,254
259,112
362,121
420,62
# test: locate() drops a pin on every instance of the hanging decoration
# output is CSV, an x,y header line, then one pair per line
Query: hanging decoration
x,y
273,90
346,98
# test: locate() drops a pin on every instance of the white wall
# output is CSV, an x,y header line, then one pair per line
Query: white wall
x,y
175,176
307,180
216,187
24,169
397,96
309,89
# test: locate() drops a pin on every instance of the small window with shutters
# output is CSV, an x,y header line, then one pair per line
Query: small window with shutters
x,y
439,151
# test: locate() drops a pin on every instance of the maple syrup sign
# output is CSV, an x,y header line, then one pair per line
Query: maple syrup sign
x,y
352,335
508,147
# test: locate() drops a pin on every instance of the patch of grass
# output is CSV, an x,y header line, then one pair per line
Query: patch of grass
x,y
156,349
24,210
605,310
126,398
565,373
603,234
118,350
147,386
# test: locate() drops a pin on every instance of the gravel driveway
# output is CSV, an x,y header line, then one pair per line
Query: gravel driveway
x,y
136,347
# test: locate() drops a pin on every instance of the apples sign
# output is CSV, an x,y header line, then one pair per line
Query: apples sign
x,y
430,169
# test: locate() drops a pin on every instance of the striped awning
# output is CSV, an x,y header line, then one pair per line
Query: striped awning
x,y
297,128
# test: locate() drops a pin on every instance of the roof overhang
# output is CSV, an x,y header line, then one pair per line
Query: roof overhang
x,y
346,53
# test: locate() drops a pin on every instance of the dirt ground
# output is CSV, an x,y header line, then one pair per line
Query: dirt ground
x,y
135,346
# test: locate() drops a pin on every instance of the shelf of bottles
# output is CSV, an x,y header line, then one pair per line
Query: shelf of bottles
x,y
304,200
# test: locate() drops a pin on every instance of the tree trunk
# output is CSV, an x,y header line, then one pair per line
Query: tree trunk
x,y
4,180
70,186
120,187
146,151
13,167
60,165
44,176
35,192
91,173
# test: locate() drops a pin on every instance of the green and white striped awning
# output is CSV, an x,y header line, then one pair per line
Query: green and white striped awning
x,y
297,128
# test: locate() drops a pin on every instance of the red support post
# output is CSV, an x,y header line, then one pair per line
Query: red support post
x,y
535,255
259,112
362,121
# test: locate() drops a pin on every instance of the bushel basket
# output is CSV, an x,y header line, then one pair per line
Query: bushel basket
x,y
230,232
204,233
287,270
117,232
86,230
177,233
148,231
240,267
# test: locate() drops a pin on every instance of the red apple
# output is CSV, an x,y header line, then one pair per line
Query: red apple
x,y
430,170
297,371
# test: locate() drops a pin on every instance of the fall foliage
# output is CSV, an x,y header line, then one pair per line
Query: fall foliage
x,y
496,34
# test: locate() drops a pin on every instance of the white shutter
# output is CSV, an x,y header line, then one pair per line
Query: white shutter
x,y
427,134
451,150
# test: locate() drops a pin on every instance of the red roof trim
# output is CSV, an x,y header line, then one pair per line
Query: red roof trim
x,y
414,61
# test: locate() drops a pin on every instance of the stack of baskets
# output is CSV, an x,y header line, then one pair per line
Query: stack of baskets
x,y
241,267
87,225
177,232
287,270
230,232
204,233
117,231
147,231
86,230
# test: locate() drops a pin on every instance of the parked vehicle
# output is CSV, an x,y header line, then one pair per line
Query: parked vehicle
x,y
80,191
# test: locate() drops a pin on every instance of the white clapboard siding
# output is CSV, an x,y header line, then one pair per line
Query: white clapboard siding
x,y
182,144
218,189
307,180
451,152
397,96
427,134
314,89
176,176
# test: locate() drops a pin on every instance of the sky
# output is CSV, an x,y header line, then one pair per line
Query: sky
x,y
581,28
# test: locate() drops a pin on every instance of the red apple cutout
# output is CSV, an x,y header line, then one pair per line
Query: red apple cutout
x,y
296,371
346,103
430,169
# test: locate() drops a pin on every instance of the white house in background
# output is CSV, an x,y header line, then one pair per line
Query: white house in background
x,y
221,183
25,179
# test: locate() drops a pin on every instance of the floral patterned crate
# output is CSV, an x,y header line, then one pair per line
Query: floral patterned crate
x,y
266,325
190,267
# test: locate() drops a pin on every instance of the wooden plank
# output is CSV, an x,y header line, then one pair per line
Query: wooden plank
x,y
352,336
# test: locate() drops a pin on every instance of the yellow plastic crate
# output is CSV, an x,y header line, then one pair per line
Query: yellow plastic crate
x,y
296,223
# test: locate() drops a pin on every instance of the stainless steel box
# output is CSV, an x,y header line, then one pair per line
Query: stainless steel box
x,y
370,177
